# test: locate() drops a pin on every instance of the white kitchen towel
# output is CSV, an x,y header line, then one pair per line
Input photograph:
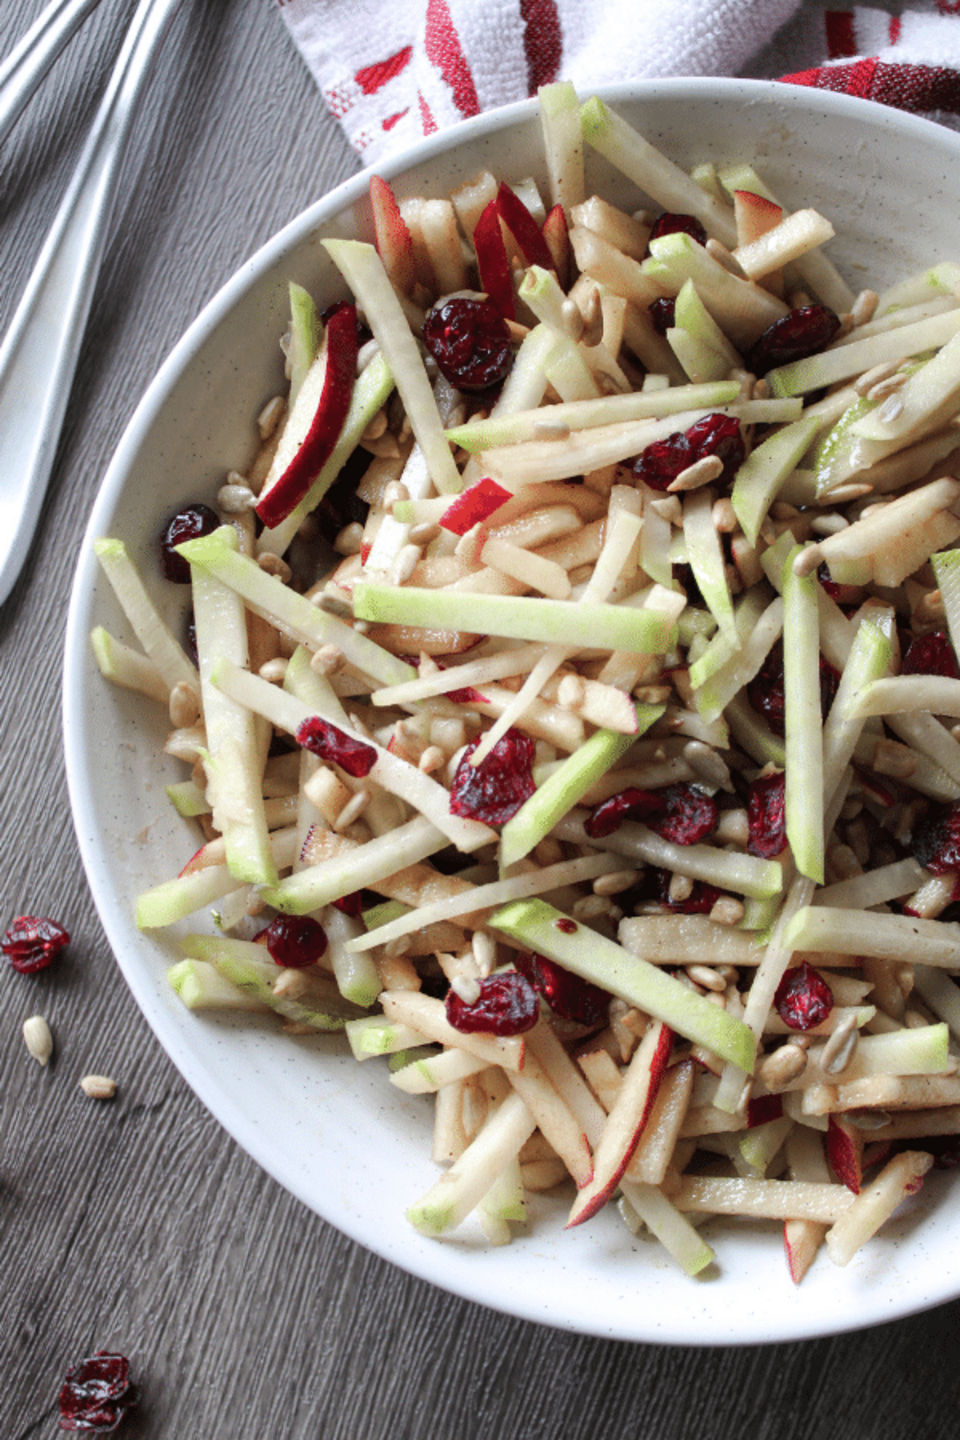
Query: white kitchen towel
x,y
392,71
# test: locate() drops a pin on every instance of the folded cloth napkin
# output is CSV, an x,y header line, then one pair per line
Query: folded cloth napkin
x,y
910,60
392,71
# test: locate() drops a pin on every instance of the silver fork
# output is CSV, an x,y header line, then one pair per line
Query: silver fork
x,y
30,60
39,352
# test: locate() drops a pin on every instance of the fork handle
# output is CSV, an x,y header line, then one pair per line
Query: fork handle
x,y
29,61
39,352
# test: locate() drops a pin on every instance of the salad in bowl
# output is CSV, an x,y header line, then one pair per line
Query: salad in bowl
x,y
557,697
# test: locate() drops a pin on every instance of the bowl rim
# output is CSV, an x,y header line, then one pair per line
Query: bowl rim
x,y
428,1264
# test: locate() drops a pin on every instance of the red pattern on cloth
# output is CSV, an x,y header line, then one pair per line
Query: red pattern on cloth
x,y
393,73
442,44
542,42
840,40
917,88
429,124
910,61
372,77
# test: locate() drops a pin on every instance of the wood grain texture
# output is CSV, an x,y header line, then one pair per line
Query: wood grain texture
x,y
139,1224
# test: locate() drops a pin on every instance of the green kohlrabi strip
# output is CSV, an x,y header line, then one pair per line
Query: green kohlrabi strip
x,y
566,785
803,721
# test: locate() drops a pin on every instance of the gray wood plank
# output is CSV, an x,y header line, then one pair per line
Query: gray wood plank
x,y
140,1225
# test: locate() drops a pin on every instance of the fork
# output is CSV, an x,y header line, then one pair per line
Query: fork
x,y
38,355
30,60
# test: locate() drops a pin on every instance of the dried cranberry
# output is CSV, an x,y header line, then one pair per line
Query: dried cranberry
x,y
33,942
936,839
466,695
670,223
681,813
330,743
566,926
793,337
803,998
766,691
190,639
660,463
843,594
470,341
689,815
662,313
628,804
766,815
567,994
931,654
716,434
350,904
493,791
188,524
96,1394
294,941
507,1005
342,506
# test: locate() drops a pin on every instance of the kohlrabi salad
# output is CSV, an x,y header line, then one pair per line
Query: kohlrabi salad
x,y
569,710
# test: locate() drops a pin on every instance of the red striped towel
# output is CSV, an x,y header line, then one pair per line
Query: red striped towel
x,y
392,71
910,60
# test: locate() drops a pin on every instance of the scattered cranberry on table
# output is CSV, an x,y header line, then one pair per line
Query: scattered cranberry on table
x,y
96,1394
32,942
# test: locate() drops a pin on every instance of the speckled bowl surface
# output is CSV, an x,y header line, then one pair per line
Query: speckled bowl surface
x,y
333,1132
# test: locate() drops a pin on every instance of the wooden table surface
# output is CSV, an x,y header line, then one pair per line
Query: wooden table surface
x,y
140,1225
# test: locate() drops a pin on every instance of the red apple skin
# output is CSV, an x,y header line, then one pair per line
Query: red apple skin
x,y
290,487
595,1195
523,227
194,863
762,1108
754,215
556,232
475,505
801,1241
494,268
845,1152
393,239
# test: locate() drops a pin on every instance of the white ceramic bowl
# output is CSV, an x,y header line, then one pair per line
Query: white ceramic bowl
x,y
337,1134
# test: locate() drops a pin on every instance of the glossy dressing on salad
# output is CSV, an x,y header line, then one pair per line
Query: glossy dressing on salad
x,y
603,777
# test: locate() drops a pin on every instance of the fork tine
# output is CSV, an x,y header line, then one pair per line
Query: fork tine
x,y
29,61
